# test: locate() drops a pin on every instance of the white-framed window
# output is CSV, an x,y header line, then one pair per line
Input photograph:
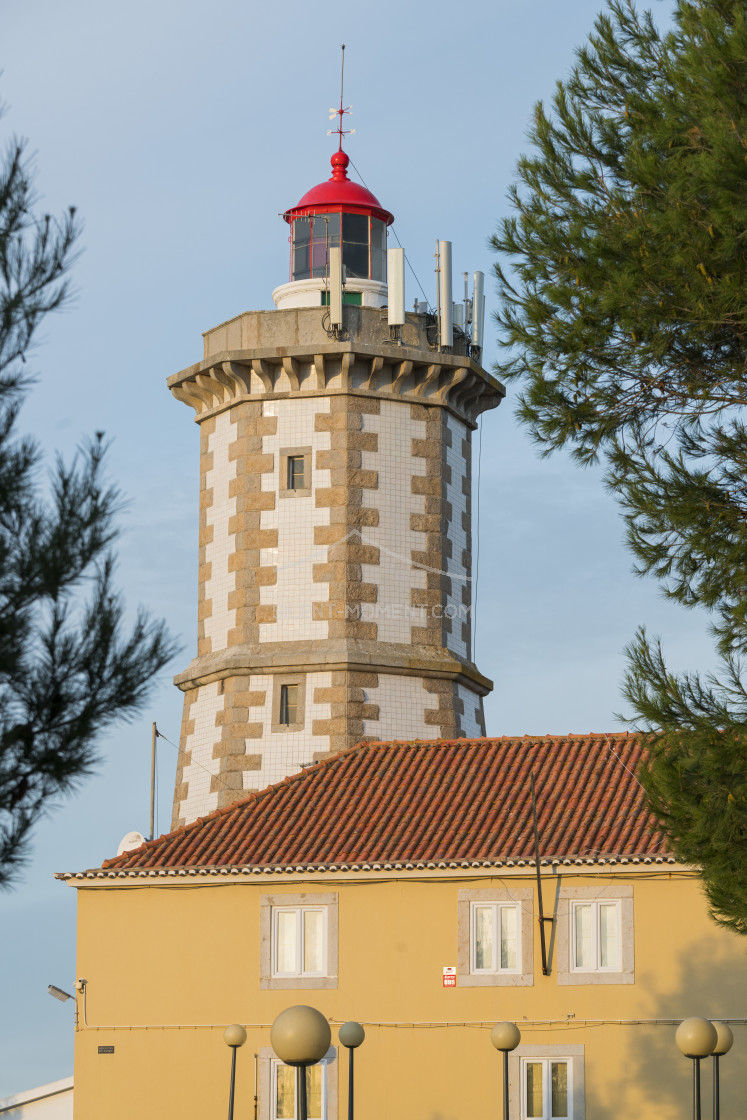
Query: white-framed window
x,y
495,937
495,934
277,1088
284,1086
299,941
595,935
546,1088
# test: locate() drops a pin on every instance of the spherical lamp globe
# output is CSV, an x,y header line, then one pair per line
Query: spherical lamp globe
x,y
235,1035
505,1036
724,1039
696,1037
351,1034
300,1035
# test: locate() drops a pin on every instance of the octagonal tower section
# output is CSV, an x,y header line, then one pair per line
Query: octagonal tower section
x,y
335,571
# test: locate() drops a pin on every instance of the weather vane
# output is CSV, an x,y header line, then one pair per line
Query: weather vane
x,y
340,131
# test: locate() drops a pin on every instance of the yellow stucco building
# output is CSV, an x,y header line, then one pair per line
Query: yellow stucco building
x,y
395,884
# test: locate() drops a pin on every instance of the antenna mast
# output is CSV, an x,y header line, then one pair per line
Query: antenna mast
x,y
340,131
154,736
542,919
342,82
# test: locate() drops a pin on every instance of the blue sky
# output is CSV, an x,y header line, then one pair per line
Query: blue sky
x,y
180,130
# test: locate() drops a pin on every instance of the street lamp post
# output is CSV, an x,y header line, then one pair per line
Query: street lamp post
x,y
724,1040
233,1036
505,1037
351,1035
300,1037
696,1039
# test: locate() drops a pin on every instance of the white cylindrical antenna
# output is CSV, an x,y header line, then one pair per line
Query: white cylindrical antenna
x,y
335,286
396,285
444,288
478,308
438,288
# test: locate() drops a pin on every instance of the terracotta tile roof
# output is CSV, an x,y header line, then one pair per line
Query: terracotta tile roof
x,y
429,802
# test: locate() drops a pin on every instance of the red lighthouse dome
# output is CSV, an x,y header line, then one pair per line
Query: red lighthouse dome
x,y
338,212
339,193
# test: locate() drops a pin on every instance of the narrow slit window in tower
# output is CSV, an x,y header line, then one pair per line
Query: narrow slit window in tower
x,y
288,704
296,472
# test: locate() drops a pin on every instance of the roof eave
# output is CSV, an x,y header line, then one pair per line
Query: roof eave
x,y
304,211
515,866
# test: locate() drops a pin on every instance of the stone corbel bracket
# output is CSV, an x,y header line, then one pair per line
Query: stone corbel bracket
x,y
450,381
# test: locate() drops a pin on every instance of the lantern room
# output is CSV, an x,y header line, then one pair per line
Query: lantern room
x,y
336,212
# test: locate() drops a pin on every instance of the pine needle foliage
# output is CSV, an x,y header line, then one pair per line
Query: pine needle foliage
x,y
622,281
68,666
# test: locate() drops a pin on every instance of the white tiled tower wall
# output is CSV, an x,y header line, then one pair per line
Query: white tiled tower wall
x,y
222,508
457,535
402,705
294,518
394,575
290,751
471,727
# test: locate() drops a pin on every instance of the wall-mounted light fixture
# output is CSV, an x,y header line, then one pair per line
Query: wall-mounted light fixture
x,y
58,993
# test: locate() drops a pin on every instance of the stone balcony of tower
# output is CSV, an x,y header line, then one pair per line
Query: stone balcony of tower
x,y
279,353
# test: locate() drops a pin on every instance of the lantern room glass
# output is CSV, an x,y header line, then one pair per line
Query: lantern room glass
x,y
378,250
363,246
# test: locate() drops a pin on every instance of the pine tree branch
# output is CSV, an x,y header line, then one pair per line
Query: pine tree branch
x,y
70,664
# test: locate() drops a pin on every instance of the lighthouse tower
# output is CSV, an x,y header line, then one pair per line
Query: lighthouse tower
x,y
335,517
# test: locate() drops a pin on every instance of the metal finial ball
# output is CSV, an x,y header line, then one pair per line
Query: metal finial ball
x,y
351,1034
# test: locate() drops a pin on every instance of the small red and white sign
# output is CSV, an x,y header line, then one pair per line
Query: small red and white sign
x,y
449,976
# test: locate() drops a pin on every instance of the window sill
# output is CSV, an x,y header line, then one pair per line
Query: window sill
x,y
495,980
297,983
596,978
